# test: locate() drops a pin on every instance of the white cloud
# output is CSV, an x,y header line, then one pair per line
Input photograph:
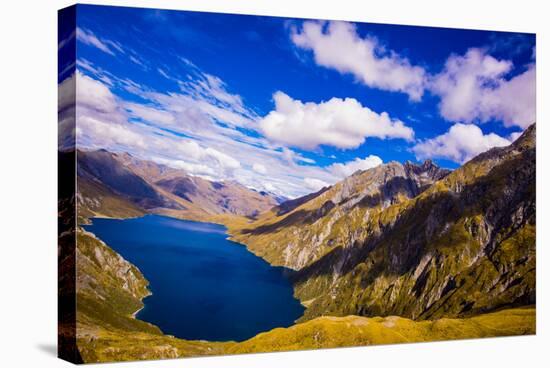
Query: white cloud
x,y
315,184
473,88
342,123
66,130
225,160
64,42
200,101
337,45
461,143
259,168
150,114
108,133
513,136
137,61
66,93
190,150
94,95
200,147
190,168
270,188
89,38
343,170
164,74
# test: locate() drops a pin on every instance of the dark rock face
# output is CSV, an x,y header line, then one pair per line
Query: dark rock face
x,y
390,183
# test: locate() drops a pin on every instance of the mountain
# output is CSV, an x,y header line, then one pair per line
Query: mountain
x,y
300,231
378,258
121,185
409,240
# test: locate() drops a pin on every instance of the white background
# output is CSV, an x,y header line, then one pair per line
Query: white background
x,y
28,131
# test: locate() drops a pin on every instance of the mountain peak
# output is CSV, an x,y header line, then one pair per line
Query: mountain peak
x,y
528,138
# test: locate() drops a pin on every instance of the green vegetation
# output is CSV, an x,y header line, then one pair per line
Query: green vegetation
x,y
454,257
333,332
464,245
110,291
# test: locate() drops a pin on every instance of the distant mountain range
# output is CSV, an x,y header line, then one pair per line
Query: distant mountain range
x,y
120,185
411,240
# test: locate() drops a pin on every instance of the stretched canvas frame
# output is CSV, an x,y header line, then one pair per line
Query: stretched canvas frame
x,y
390,200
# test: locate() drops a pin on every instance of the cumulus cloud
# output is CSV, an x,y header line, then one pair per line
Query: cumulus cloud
x,y
343,170
225,160
66,93
337,45
461,143
108,134
342,123
473,88
315,184
259,168
196,156
173,128
94,95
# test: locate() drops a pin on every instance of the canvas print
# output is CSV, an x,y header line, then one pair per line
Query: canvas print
x,y
238,184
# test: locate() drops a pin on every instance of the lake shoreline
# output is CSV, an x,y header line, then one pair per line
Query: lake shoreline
x,y
249,281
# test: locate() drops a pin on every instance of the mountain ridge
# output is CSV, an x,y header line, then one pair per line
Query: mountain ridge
x,y
378,187
121,185
461,246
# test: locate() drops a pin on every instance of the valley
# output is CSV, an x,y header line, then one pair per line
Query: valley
x,y
397,253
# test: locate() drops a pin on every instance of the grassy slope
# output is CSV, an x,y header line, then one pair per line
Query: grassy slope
x,y
332,332
110,291
463,247
105,203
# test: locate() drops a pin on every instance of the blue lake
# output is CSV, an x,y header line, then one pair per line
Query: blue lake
x,y
204,286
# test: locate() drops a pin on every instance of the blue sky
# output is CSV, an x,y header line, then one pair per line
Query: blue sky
x,y
289,105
